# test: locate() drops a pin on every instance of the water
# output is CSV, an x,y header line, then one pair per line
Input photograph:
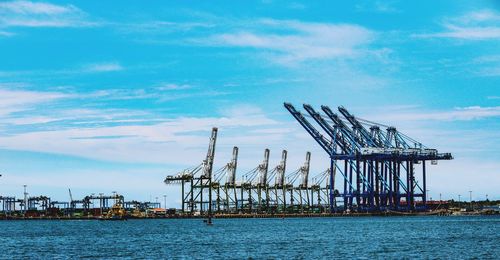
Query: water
x,y
304,238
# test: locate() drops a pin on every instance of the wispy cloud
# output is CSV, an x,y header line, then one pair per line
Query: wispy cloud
x,y
41,14
457,114
89,68
296,6
291,41
377,6
172,86
490,72
19,100
159,93
487,66
160,27
27,7
167,142
49,110
476,25
6,34
103,67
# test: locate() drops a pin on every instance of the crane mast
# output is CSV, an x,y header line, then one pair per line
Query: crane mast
x,y
263,168
281,168
304,170
231,167
209,161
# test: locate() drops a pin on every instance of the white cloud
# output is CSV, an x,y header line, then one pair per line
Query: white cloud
x,y
466,33
103,67
6,34
487,59
160,93
18,100
478,16
294,41
27,7
457,114
160,27
296,6
377,6
490,72
111,66
489,65
40,14
171,86
166,142
477,25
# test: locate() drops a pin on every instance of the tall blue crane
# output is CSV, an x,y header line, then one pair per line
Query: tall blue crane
x,y
378,159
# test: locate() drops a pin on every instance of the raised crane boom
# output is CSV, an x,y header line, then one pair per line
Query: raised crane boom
x,y
231,168
304,170
354,139
322,141
209,161
358,127
281,168
263,169
331,131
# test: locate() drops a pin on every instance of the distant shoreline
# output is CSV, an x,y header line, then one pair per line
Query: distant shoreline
x,y
241,216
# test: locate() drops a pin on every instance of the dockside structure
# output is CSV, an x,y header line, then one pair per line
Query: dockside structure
x,y
378,170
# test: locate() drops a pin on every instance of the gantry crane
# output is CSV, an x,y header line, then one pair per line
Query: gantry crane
x,y
378,168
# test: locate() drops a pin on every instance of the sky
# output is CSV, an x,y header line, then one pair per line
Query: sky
x,y
103,96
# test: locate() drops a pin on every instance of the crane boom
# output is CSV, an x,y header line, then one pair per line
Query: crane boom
x,y
231,167
209,161
263,168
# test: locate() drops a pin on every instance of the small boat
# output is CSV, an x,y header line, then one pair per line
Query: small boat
x,y
117,212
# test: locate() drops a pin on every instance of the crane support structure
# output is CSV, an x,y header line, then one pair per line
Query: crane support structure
x,y
378,169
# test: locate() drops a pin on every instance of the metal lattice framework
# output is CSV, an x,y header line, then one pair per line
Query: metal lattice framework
x,y
377,167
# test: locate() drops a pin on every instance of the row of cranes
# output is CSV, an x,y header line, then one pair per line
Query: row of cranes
x,y
377,168
263,189
94,205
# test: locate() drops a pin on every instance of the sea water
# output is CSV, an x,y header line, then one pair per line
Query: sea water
x,y
452,237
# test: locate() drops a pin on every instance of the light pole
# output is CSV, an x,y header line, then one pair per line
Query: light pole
x,y
459,200
165,202
470,200
25,198
101,201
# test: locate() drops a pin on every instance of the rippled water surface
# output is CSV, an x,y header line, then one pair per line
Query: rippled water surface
x,y
362,237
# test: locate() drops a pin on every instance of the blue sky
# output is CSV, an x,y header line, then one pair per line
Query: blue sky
x,y
102,96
